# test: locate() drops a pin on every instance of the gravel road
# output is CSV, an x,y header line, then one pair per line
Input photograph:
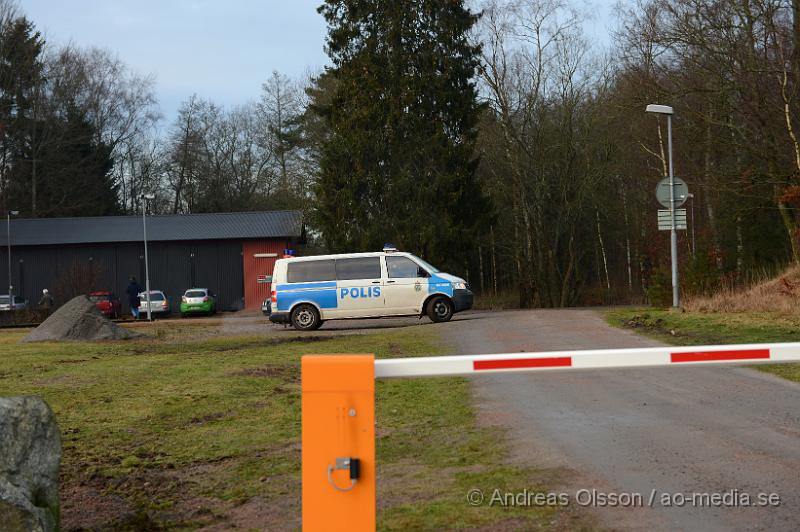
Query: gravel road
x,y
678,431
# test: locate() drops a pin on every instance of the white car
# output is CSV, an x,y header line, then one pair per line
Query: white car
x,y
309,290
20,303
159,304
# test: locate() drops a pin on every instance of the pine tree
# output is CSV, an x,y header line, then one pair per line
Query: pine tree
x,y
21,83
398,163
77,171
51,163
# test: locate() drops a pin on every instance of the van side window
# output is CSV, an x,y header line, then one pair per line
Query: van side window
x,y
310,271
404,268
361,268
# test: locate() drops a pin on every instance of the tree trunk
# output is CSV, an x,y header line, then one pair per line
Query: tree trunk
x,y
564,300
494,262
791,229
739,249
33,184
480,266
627,241
603,254
523,301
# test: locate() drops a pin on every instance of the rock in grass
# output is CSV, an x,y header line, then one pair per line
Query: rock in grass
x,y
79,320
30,455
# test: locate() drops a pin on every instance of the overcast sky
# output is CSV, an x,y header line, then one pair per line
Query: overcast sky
x,y
222,50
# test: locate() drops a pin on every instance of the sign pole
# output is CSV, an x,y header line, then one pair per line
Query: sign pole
x,y
673,231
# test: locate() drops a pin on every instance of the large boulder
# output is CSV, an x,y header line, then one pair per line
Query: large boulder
x,y
30,455
78,319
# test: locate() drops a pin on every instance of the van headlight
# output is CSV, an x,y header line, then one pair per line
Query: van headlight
x,y
460,286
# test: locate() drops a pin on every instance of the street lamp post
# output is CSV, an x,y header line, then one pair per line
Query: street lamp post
x,y
144,198
9,214
667,110
694,249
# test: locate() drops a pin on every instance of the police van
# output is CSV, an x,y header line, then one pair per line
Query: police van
x,y
307,291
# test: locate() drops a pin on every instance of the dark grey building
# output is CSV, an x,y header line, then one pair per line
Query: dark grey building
x,y
230,253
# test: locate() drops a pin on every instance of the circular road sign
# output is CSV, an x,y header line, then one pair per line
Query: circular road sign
x,y
681,192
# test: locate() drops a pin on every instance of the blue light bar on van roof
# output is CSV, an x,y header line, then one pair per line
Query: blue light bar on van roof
x,y
387,247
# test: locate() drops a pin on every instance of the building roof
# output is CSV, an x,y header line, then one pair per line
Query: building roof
x,y
167,227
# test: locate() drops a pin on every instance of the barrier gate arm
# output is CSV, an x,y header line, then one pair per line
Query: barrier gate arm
x,y
338,410
594,359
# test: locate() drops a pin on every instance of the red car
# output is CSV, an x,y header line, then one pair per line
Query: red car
x,y
107,303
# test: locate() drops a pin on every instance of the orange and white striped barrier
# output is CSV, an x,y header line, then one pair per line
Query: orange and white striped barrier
x,y
594,359
338,410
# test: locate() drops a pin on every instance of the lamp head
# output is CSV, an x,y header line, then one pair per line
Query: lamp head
x,y
659,109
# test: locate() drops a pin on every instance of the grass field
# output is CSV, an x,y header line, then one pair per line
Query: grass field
x,y
699,328
174,434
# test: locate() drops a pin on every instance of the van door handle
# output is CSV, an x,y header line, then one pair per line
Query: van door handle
x,y
389,281
376,282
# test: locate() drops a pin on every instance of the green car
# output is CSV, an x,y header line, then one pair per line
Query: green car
x,y
198,301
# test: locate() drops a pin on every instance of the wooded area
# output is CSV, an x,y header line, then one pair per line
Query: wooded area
x,y
495,139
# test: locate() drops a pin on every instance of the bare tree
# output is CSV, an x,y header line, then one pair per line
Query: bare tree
x,y
537,80
280,111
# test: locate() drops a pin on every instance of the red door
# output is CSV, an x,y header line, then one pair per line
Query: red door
x,y
259,260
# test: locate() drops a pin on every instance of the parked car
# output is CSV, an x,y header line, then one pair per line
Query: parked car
x,y
159,304
198,301
20,303
107,303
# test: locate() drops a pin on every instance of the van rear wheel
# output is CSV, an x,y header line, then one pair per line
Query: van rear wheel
x,y
440,309
306,318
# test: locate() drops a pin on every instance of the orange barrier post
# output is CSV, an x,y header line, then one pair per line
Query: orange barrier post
x,y
338,454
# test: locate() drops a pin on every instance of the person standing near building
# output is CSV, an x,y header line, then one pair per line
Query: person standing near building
x,y
46,302
133,291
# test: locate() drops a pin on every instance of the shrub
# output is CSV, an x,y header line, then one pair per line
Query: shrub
x,y
659,293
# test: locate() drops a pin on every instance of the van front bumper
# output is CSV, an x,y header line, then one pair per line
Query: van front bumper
x,y
462,299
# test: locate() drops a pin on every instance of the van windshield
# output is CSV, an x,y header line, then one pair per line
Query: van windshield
x,y
430,268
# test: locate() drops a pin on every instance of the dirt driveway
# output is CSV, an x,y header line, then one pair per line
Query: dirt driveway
x,y
678,431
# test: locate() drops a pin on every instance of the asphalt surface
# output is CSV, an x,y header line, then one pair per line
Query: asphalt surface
x,y
678,431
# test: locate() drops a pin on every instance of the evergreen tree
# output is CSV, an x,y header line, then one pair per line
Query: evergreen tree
x,y
398,163
21,83
51,161
76,170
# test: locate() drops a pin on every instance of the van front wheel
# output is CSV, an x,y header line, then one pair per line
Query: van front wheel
x,y
440,309
306,318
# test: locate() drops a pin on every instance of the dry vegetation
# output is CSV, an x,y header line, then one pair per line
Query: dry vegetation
x,y
780,295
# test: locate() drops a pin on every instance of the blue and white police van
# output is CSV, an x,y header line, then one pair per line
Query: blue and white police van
x,y
307,291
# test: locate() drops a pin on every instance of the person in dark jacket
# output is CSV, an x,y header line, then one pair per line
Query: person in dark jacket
x,y
133,291
47,302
